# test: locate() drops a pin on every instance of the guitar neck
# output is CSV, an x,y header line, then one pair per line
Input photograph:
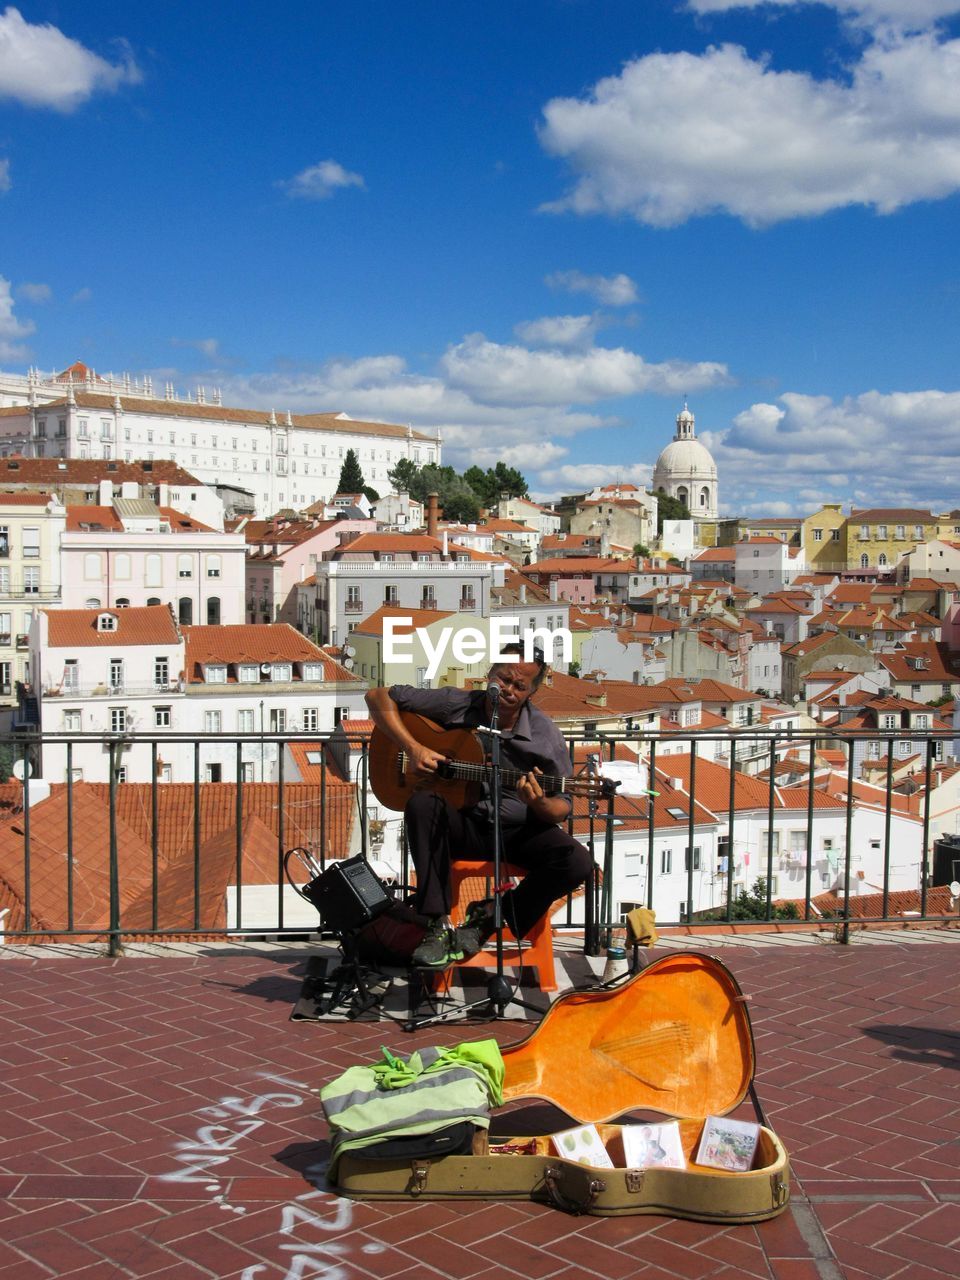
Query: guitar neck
x,y
466,771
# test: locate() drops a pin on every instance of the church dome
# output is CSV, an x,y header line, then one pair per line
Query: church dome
x,y
686,470
688,457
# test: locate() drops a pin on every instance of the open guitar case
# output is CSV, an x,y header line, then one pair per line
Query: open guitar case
x,y
672,1042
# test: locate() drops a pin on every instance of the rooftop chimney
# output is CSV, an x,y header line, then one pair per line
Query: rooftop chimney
x,y
433,514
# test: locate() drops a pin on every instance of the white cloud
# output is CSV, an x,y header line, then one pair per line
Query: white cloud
x,y
611,291
11,329
679,135
41,67
320,181
515,375
910,15
82,295
5,183
558,331
572,478
894,449
208,347
35,292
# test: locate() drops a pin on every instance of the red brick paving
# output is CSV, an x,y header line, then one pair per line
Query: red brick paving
x,y
114,1069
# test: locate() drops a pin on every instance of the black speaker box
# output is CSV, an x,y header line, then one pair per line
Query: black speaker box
x,y
348,895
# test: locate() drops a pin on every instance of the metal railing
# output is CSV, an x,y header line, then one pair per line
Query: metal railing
x,y
149,835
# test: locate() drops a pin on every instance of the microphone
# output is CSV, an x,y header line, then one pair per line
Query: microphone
x,y
493,693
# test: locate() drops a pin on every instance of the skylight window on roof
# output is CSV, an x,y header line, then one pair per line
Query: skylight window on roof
x,y
314,757
677,813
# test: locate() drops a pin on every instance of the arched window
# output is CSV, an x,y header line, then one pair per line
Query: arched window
x,y
882,560
682,495
213,611
185,611
864,561
154,600
123,602
704,497
93,603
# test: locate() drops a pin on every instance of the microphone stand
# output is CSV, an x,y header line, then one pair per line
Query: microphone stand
x,y
499,991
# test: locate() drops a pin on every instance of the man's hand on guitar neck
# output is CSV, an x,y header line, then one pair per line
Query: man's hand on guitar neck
x,y
424,762
546,808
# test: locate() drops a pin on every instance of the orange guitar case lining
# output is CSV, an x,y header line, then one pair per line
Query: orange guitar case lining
x,y
673,1042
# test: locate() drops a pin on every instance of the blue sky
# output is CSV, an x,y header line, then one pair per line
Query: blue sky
x,y
533,226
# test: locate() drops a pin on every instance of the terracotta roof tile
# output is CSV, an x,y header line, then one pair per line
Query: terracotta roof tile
x,y
66,471
255,642
142,625
215,413
408,620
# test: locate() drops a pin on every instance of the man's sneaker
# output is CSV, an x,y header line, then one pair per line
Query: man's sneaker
x,y
439,949
475,930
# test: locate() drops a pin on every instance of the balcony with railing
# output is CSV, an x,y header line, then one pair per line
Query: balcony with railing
x,y
817,848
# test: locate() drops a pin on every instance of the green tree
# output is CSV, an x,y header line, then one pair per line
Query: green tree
x,y
753,906
496,482
403,476
351,477
641,551
669,509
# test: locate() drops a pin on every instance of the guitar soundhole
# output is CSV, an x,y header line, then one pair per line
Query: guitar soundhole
x,y
446,770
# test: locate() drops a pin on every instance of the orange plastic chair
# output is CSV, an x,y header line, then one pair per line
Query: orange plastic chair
x,y
471,880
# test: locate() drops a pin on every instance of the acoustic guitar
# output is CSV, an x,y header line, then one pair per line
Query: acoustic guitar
x,y
460,777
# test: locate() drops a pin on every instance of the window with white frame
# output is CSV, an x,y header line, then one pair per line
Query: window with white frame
x,y
313,671
278,719
248,673
311,719
765,842
118,719
213,566
31,581
161,671
31,543
161,717
696,858
245,721
71,721
116,673
211,722
282,671
890,720
666,861
184,566
215,673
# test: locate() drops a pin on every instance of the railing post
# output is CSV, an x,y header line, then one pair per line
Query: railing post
x,y
114,949
848,851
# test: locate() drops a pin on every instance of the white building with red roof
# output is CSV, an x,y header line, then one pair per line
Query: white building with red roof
x,y
408,570
31,525
283,459
132,552
111,680
766,564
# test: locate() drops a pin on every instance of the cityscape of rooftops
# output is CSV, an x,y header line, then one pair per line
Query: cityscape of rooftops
x,y
334,341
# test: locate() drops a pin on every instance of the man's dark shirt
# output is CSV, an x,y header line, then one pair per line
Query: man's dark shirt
x,y
533,742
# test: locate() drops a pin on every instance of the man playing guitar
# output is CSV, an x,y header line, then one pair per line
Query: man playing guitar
x,y
531,747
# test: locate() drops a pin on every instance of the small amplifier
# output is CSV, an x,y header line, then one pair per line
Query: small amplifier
x,y
348,894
